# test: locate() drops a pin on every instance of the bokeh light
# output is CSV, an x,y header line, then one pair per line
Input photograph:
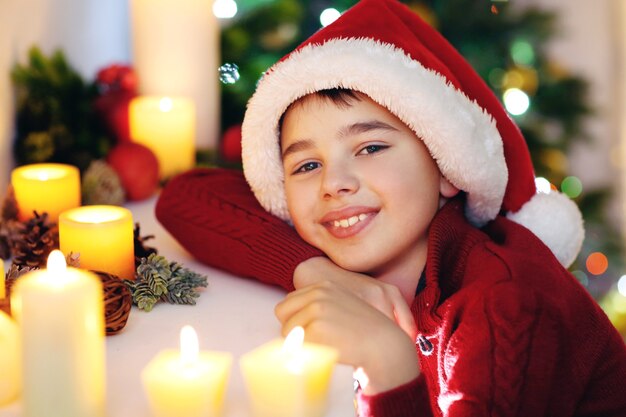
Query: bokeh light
x,y
496,77
597,263
522,53
225,9
572,187
618,302
621,285
542,185
516,101
328,16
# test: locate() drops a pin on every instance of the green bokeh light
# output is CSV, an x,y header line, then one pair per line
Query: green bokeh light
x,y
522,53
572,187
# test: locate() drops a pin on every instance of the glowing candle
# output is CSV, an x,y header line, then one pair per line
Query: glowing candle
x,y
60,313
4,301
290,378
103,235
3,290
10,381
52,188
187,383
167,126
176,50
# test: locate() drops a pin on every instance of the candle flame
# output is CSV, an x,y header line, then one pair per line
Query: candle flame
x,y
293,341
56,262
42,176
189,346
165,104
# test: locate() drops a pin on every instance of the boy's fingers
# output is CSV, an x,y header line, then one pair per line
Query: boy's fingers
x,y
295,301
404,318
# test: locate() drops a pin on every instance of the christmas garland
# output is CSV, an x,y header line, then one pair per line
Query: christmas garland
x,y
29,243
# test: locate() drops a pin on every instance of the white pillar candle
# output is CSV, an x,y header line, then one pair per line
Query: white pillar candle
x,y
175,46
61,317
10,381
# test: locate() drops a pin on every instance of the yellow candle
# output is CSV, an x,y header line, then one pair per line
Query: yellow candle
x,y
10,381
188,383
52,188
290,378
166,126
3,290
103,235
60,313
180,37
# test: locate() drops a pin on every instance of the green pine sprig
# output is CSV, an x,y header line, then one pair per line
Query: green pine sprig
x,y
158,279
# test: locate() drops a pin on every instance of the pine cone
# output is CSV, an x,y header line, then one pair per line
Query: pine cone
x,y
34,242
9,233
101,185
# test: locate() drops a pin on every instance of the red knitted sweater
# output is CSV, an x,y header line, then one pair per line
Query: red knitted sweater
x,y
504,329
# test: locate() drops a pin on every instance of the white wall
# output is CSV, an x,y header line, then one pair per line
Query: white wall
x,y
91,33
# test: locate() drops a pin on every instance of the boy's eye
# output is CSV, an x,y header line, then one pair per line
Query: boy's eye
x,y
308,166
370,149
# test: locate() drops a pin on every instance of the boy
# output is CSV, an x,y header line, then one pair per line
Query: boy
x,y
355,138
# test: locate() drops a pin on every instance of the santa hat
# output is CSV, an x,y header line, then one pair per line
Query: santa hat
x,y
382,49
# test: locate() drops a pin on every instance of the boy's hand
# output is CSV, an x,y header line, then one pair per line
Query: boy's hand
x,y
364,337
384,297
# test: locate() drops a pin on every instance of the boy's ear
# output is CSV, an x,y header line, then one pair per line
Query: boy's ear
x,y
446,189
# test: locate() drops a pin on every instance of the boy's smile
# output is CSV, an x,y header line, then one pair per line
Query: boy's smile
x,y
348,222
360,185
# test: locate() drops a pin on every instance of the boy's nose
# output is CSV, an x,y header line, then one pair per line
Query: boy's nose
x,y
338,181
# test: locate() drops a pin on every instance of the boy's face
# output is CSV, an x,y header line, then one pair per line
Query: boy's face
x,y
360,185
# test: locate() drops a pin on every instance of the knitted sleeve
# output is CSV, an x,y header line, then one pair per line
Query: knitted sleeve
x,y
213,214
410,399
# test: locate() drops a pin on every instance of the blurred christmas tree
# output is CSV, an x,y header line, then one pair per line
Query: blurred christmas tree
x,y
505,45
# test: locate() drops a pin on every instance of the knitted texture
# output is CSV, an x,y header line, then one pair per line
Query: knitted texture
x,y
510,331
213,215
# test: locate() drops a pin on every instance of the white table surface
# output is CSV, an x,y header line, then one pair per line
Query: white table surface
x,y
232,314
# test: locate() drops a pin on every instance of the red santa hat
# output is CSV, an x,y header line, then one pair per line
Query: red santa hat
x,y
384,50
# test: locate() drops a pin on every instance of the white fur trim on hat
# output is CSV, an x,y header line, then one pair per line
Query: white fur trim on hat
x,y
460,135
555,219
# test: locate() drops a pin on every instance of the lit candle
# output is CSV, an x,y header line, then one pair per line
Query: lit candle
x,y
52,188
60,314
4,301
9,360
180,37
103,235
187,383
166,125
290,378
3,290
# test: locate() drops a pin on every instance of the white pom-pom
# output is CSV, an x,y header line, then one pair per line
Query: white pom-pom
x,y
556,220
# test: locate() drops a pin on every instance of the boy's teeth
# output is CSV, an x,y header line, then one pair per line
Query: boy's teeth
x,y
350,221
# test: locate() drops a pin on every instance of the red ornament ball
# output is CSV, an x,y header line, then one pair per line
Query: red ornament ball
x,y
137,167
231,144
113,111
